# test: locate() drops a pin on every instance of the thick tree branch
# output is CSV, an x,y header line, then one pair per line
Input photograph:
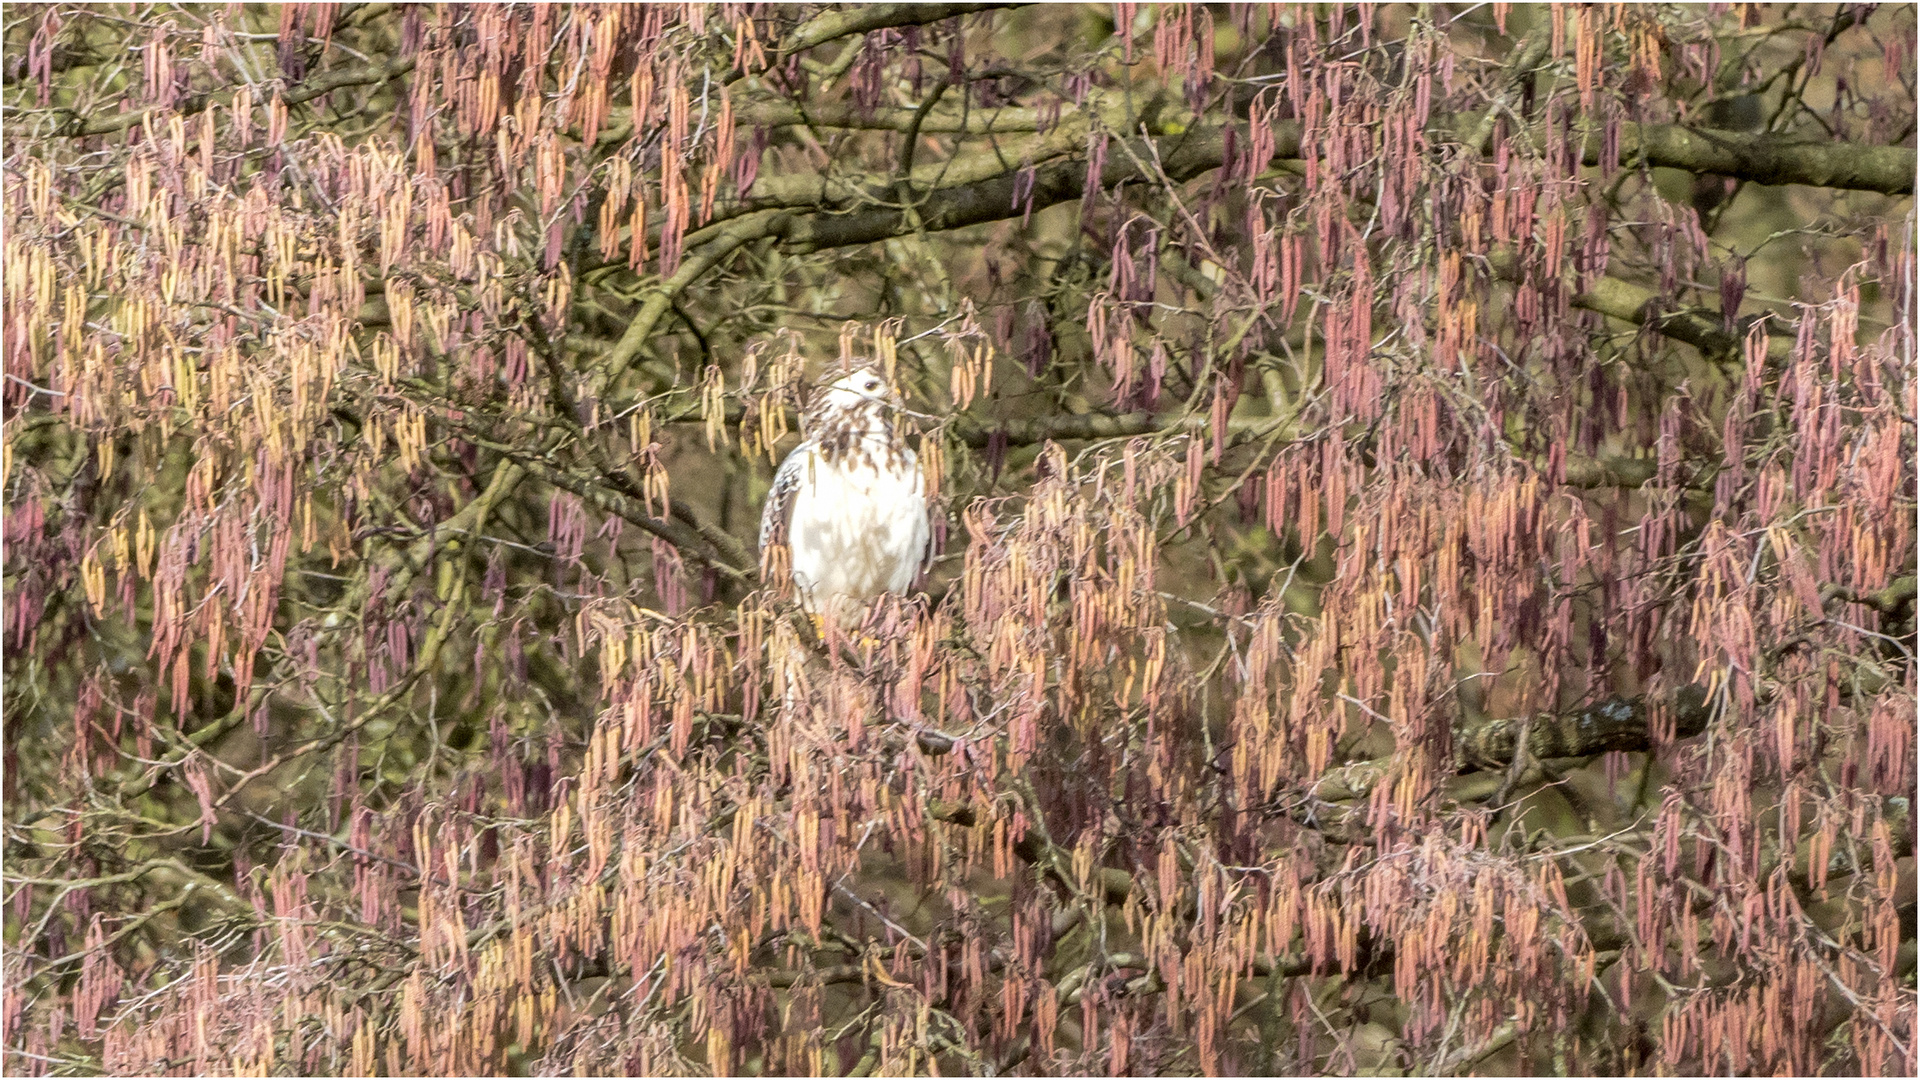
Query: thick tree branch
x,y
1618,299
1757,158
1629,303
947,120
1764,158
1615,724
1614,471
1761,158
1009,195
1891,600
865,18
660,300
1080,426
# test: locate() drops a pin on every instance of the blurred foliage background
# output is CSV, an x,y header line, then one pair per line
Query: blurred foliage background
x,y
1424,574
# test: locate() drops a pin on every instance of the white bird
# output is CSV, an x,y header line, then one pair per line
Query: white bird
x,y
850,502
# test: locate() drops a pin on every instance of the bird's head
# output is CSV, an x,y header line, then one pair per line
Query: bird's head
x,y
860,402
857,389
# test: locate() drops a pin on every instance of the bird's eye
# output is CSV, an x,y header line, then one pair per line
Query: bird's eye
x,y
872,385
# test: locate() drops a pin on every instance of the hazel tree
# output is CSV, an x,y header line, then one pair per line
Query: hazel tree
x,y
1424,543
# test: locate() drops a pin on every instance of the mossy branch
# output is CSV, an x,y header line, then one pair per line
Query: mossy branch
x,y
1618,723
1764,158
865,18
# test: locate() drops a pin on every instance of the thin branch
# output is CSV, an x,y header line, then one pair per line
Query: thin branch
x,y
198,103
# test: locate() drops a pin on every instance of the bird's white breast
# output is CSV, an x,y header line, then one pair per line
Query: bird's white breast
x,y
859,524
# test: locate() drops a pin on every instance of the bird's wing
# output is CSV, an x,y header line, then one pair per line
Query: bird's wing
x,y
777,516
